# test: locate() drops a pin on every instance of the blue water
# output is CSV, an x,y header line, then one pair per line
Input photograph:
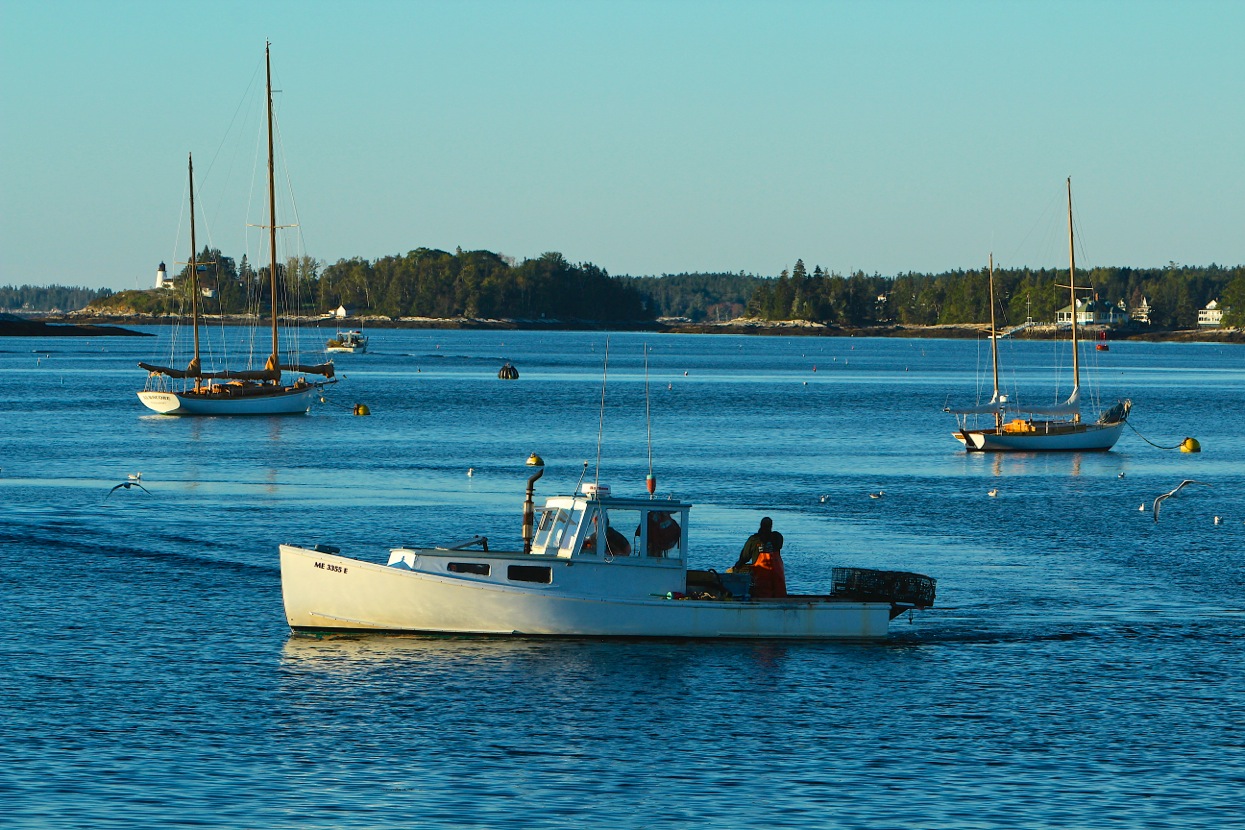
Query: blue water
x,y
1082,667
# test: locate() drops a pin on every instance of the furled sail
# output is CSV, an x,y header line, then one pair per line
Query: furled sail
x,y
193,371
325,369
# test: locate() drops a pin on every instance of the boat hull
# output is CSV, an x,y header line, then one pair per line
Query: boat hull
x,y
328,592
290,401
1085,438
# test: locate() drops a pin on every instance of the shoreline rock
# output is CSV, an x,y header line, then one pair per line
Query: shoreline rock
x,y
85,323
13,326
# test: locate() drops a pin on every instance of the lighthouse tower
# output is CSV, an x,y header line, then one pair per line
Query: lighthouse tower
x,y
162,277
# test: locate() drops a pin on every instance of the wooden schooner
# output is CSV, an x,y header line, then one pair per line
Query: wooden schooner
x,y
245,391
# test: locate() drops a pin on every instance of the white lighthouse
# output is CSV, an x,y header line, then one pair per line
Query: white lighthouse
x,y
162,277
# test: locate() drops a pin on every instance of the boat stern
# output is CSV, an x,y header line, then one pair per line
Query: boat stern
x,y
166,403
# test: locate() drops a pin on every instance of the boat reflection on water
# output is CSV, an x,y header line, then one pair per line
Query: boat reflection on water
x,y
351,655
352,652
1037,463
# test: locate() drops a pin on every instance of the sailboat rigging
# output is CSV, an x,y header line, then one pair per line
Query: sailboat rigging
x,y
1056,428
247,391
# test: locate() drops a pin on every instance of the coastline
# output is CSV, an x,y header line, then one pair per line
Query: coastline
x,y
12,325
87,324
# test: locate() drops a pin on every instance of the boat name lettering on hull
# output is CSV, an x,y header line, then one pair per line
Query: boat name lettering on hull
x,y
337,569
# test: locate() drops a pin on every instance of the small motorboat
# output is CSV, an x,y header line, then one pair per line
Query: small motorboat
x,y
593,565
348,341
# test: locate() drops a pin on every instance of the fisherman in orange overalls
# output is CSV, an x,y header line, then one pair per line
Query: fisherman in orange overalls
x,y
762,555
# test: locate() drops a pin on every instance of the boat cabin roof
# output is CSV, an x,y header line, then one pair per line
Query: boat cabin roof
x,y
568,526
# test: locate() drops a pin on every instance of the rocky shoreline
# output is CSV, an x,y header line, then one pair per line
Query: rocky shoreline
x,y
13,326
87,324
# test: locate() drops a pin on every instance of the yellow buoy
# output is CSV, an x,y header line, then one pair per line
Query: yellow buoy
x,y
361,409
1190,445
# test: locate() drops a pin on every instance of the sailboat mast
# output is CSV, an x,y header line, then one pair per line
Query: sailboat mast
x,y
1076,357
272,212
994,345
194,269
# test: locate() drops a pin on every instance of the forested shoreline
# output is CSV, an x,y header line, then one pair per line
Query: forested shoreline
x,y
1174,295
481,285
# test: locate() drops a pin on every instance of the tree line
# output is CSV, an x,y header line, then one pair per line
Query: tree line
x,y
421,283
15,298
1175,294
480,284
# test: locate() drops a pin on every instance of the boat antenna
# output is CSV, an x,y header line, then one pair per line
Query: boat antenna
x,y
605,371
651,481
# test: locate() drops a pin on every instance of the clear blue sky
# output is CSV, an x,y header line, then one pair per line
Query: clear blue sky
x,y
646,137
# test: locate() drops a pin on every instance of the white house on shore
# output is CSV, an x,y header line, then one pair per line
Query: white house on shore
x,y
1093,312
1211,316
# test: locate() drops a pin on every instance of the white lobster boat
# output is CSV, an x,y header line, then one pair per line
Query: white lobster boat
x,y
563,584
348,342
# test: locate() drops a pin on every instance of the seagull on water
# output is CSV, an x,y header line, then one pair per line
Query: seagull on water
x,y
877,495
823,499
1159,501
127,485
471,471
993,492
135,476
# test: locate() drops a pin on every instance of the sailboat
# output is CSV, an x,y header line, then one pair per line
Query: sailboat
x,y
245,391
1041,428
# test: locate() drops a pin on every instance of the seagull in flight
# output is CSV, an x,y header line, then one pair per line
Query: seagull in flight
x,y
1159,501
127,485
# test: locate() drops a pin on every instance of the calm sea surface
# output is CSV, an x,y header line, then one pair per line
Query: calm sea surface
x,y
1083,666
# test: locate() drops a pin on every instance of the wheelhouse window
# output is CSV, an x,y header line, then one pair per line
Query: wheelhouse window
x,y
478,568
631,531
578,515
542,574
551,531
663,534
618,527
